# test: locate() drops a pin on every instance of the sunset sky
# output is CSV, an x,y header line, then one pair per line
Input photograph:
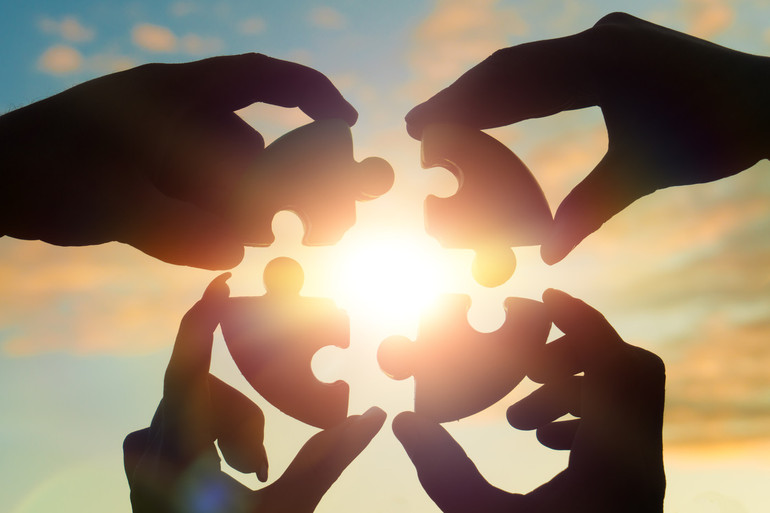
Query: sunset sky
x,y
85,333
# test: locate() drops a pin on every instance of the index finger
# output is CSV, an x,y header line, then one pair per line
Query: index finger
x,y
526,81
191,356
233,82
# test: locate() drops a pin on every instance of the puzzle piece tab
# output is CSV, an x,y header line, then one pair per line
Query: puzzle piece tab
x,y
309,171
273,338
498,204
457,370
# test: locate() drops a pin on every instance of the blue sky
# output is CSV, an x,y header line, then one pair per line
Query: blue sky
x,y
85,332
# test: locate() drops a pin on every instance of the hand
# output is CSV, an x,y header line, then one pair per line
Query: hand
x,y
147,156
173,466
616,449
678,110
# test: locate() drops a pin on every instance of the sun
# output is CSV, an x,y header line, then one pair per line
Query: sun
x,y
390,279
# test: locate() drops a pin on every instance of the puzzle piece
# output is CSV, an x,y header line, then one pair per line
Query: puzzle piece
x,y
457,370
309,171
498,204
273,338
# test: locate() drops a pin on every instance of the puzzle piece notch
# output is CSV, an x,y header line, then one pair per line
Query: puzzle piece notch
x,y
459,371
498,203
273,338
311,172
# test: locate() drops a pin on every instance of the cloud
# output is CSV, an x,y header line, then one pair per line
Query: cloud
x,y
456,36
707,18
252,26
60,60
93,300
154,38
68,28
718,389
327,18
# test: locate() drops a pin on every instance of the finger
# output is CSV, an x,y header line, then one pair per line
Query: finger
x,y
446,473
546,404
239,426
175,231
559,435
612,186
526,81
589,343
233,82
191,357
320,462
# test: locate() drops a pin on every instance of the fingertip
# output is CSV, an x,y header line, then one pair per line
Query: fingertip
x,y
550,295
414,124
402,423
373,417
218,287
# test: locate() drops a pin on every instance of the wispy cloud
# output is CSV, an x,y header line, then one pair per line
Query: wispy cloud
x,y
68,28
101,299
327,18
252,26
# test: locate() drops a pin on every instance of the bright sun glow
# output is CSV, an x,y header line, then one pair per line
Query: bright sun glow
x,y
390,279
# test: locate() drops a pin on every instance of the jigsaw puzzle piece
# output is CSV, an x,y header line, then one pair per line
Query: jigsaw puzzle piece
x,y
273,338
309,171
498,204
457,370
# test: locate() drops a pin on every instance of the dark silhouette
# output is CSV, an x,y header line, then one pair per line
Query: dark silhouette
x,y
678,110
616,449
141,156
273,338
173,466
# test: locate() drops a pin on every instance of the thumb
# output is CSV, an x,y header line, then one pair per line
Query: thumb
x,y
446,473
609,188
175,231
319,463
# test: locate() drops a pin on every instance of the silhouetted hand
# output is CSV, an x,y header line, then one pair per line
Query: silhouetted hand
x,y
173,466
147,156
616,451
678,110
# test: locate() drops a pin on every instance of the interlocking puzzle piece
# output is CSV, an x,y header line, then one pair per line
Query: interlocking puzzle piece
x,y
273,338
457,370
498,204
309,171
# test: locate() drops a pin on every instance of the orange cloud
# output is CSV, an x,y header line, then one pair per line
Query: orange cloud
x,y
718,388
101,299
708,18
153,38
456,36
60,60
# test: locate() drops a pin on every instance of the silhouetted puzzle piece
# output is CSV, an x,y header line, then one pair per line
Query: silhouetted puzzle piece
x,y
457,370
498,204
309,171
273,338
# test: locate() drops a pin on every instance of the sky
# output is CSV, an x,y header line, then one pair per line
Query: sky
x,y
85,333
